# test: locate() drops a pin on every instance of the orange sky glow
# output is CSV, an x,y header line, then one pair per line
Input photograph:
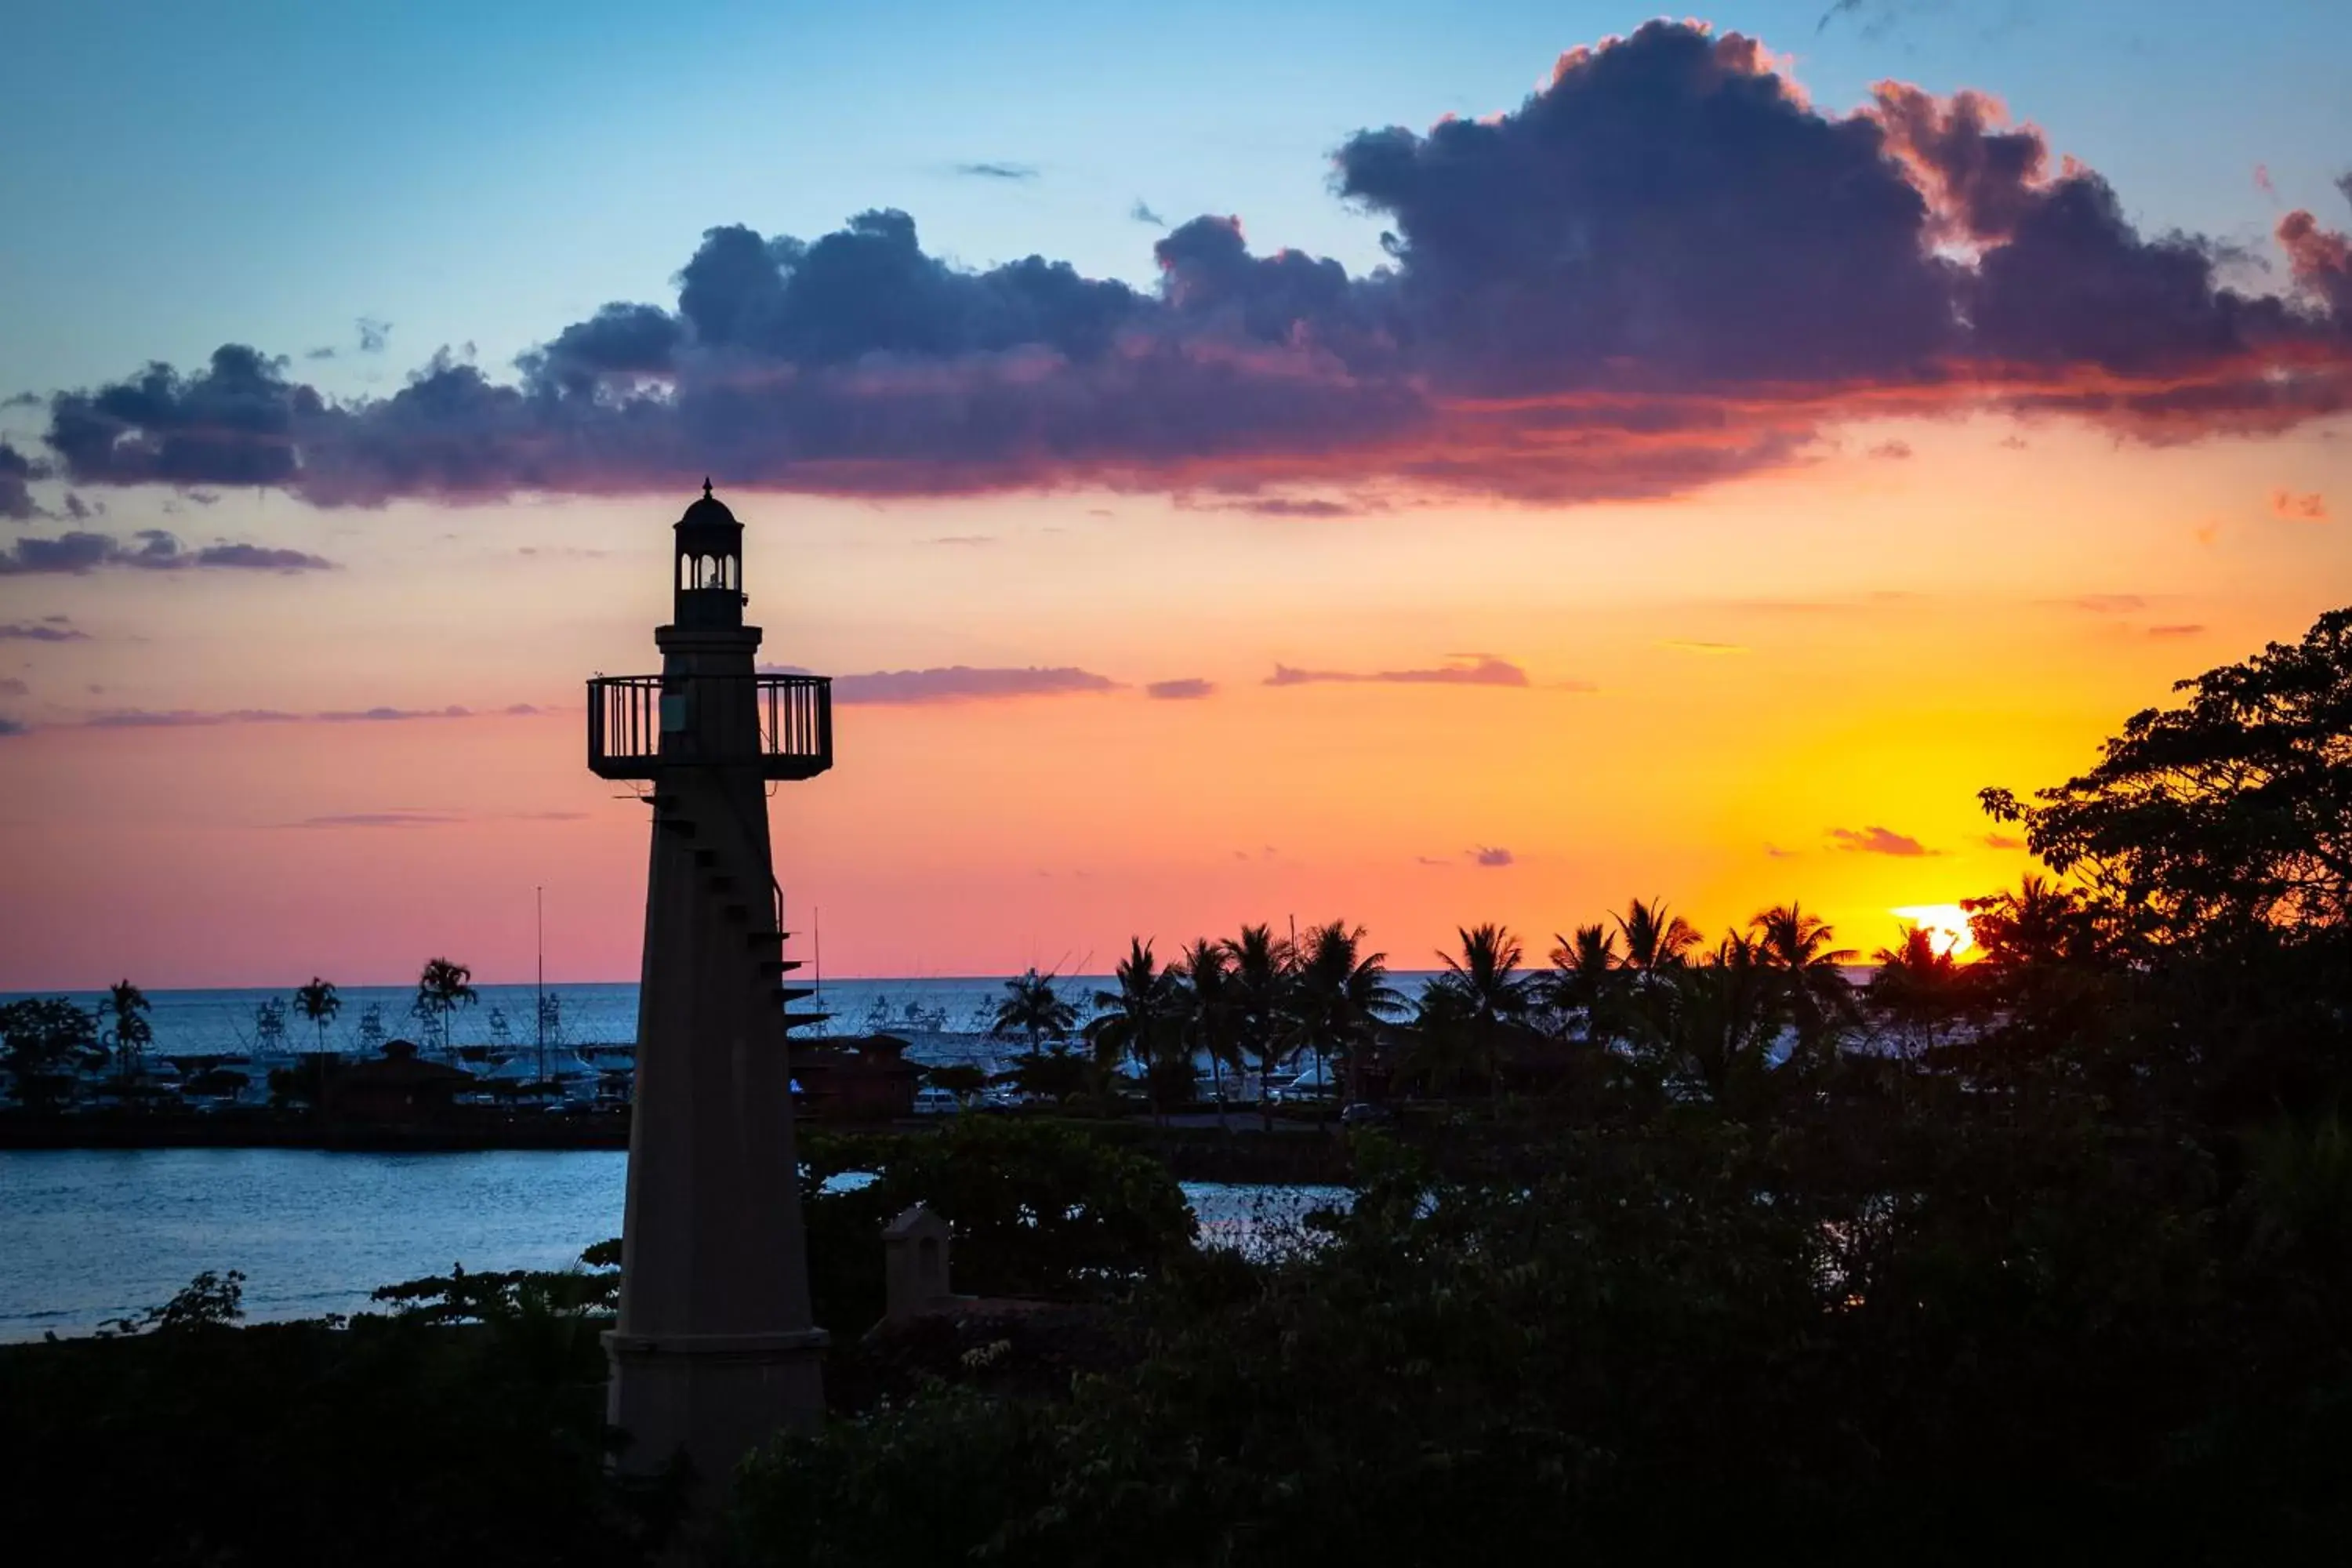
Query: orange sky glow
x,y
1788,687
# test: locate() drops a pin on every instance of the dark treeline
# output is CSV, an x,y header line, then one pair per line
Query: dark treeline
x,y
2063,1265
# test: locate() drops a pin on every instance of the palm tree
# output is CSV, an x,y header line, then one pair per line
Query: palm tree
x,y
1813,991
1341,993
443,987
128,1032
1140,1020
1444,1051
1717,1019
318,1002
1654,940
1917,989
1585,979
1491,992
1260,986
1032,1009
1206,980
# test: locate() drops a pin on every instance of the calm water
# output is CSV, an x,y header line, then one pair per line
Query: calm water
x,y
87,1234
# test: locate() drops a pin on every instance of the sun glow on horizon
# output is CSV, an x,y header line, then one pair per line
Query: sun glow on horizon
x,y
1946,926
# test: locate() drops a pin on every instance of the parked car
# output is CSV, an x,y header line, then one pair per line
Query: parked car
x,y
1364,1113
932,1100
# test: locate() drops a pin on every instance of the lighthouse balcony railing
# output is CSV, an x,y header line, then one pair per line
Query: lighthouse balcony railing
x,y
639,725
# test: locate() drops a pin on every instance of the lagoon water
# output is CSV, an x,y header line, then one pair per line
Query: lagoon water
x,y
89,1234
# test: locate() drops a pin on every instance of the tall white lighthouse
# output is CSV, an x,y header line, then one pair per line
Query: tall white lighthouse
x,y
714,1351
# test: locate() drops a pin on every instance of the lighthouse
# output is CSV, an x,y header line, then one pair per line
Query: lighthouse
x,y
713,1351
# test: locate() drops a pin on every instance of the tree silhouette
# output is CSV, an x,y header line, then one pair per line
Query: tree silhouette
x,y
318,1002
1814,990
1340,994
1141,1020
1715,1020
1260,986
1586,982
442,988
128,1032
2232,810
1205,982
43,1040
1916,990
1491,992
1032,1009
1654,940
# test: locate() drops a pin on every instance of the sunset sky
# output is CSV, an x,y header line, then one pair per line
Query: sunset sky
x,y
1247,462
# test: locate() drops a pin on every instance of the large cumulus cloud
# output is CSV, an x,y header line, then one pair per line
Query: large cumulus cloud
x,y
1665,269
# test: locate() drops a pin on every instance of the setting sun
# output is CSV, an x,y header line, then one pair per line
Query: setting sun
x,y
1946,926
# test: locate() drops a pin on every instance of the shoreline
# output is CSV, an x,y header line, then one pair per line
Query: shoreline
x,y
1293,1154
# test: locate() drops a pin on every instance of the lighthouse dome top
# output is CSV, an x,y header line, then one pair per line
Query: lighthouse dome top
x,y
707,512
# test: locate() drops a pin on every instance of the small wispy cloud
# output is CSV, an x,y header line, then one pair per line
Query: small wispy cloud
x,y
1891,451
992,170
1693,645
1490,855
12,727
1141,212
1880,841
2003,841
1287,506
200,718
1464,669
53,630
381,819
2184,629
2110,604
2299,506
1190,689
964,539
373,334
964,683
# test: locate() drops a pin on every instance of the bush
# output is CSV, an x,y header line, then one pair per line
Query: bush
x,y
1040,1210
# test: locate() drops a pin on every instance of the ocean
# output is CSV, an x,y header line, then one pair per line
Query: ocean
x,y
91,1234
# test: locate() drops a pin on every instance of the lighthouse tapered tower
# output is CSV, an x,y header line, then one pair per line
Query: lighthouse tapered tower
x,y
713,1351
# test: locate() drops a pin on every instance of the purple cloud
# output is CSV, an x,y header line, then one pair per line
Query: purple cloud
x,y
12,727
2180,629
1489,854
1188,689
16,473
1664,270
77,552
1880,841
193,717
963,683
53,630
2003,841
185,717
1470,669
380,819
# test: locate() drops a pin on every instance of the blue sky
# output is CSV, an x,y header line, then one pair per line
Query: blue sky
x,y
177,176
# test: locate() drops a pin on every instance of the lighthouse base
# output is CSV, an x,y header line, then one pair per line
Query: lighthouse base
x,y
716,1396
